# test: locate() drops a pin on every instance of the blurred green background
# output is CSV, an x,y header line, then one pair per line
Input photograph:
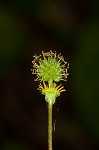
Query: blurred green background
x,y
68,27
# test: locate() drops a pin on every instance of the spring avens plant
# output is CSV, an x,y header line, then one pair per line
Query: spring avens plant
x,y
50,68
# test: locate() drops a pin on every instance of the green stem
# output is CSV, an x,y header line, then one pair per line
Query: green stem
x,y
50,104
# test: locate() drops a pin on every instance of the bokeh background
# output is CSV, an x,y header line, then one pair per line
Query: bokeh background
x,y
68,27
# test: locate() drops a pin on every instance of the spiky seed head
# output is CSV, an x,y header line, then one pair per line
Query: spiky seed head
x,y
50,67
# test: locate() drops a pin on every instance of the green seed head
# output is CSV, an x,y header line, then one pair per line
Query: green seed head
x,y
50,67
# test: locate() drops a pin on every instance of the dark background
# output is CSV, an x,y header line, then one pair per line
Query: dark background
x,y
68,27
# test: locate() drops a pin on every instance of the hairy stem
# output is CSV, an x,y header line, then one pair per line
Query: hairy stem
x,y
50,104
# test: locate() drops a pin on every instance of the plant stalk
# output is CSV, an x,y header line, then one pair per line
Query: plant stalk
x,y
50,105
